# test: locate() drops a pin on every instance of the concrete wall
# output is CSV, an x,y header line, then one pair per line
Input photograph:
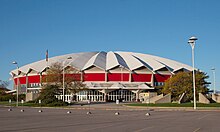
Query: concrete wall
x,y
203,99
164,99
145,97
216,97
154,99
159,99
31,96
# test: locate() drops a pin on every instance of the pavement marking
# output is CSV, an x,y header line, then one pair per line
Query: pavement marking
x,y
197,130
203,116
144,129
94,128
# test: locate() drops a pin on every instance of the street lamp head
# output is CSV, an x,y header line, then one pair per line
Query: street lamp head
x,y
193,38
213,69
14,62
69,58
191,41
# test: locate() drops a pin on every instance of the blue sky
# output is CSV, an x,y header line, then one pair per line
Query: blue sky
x,y
159,27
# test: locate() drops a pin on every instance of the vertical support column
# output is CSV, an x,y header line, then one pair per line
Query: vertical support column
x,y
26,81
87,94
126,95
40,79
26,90
152,80
106,76
81,76
14,83
137,95
19,85
130,76
105,95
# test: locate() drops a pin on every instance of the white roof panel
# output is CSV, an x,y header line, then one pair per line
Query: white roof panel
x,y
149,61
111,60
107,61
98,60
131,61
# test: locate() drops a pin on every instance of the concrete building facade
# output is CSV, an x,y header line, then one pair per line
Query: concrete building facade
x,y
108,75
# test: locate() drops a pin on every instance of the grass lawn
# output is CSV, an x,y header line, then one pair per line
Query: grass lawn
x,y
13,103
4,103
176,105
30,104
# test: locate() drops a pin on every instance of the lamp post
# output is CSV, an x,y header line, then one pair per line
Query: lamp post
x,y
15,63
192,42
119,91
69,58
213,71
122,79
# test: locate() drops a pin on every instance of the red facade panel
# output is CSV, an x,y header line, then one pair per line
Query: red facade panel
x,y
161,78
118,76
141,77
94,77
15,81
101,77
22,80
34,79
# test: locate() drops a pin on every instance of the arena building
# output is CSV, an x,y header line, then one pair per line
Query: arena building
x,y
107,75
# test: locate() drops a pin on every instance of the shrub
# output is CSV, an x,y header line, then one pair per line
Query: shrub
x,y
6,97
48,98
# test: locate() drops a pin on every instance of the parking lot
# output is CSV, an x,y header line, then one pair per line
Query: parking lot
x,y
56,120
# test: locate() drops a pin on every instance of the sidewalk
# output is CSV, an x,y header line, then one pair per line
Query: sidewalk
x,y
123,106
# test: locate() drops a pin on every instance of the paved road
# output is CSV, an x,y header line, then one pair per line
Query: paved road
x,y
56,120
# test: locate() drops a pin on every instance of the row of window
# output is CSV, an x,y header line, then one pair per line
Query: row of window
x,y
34,85
158,83
31,85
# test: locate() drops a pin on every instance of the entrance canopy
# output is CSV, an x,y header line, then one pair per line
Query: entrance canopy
x,y
118,85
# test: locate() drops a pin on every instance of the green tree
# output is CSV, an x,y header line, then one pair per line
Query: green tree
x,y
182,83
54,76
3,87
48,98
4,96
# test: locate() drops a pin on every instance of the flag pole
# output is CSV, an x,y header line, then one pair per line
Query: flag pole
x,y
46,62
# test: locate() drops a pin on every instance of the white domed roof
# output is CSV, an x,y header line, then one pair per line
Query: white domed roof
x,y
107,61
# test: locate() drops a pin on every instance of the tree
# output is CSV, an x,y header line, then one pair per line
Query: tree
x,y
3,94
3,87
48,98
182,83
54,76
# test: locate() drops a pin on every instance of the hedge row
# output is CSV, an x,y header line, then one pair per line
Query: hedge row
x,y
12,97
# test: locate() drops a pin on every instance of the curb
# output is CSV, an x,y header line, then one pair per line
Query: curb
x,y
128,108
